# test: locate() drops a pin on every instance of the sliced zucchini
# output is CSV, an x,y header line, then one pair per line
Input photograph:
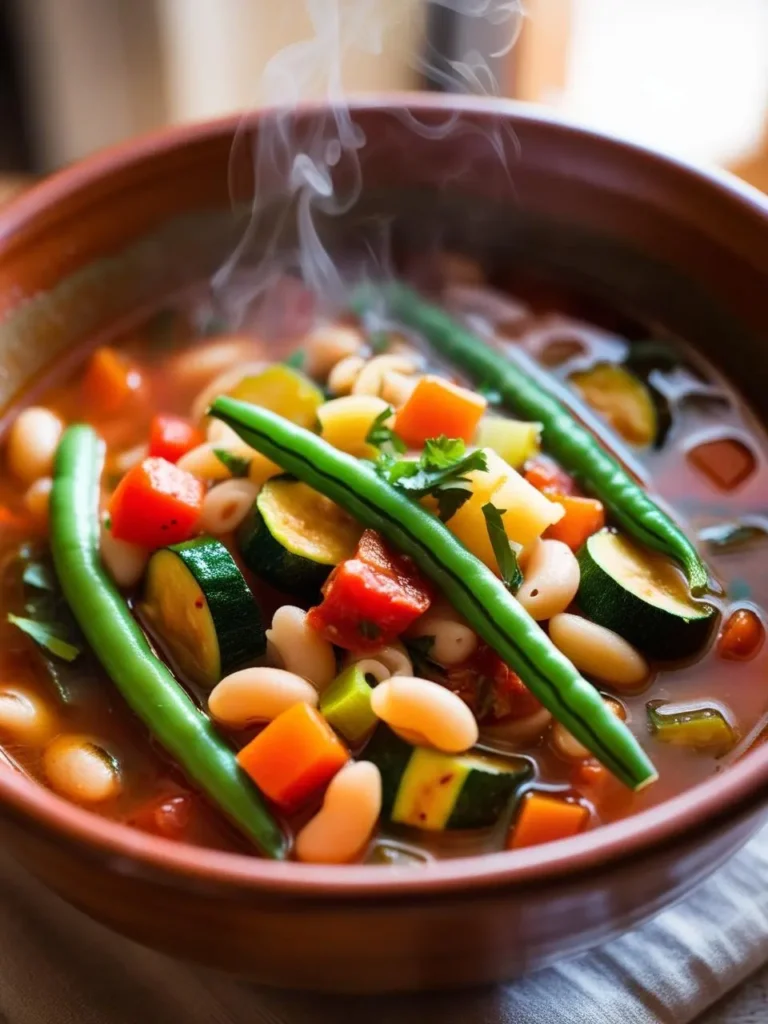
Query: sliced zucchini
x,y
703,727
346,705
621,399
285,391
293,537
432,791
198,606
640,595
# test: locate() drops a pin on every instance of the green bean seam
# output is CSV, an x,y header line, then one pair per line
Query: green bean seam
x,y
144,681
471,587
570,443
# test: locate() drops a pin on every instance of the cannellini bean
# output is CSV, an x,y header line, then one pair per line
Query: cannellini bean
x,y
424,712
80,769
221,384
598,651
344,824
342,377
370,379
24,717
520,731
301,649
566,744
226,505
454,641
328,345
125,562
552,578
258,695
37,499
32,443
194,366
396,388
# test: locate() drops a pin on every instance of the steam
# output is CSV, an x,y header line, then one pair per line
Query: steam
x,y
305,168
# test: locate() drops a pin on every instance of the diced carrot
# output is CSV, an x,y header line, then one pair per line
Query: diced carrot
x,y
583,517
435,407
170,437
542,819
742,637
545,475
294,756
156,504
110,380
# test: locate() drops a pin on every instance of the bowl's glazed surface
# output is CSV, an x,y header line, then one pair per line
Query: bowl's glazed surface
x,y
128,227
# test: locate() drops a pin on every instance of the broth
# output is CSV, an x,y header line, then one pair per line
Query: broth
x,y
697,413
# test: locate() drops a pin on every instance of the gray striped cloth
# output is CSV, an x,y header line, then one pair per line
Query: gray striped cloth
x,y
58,967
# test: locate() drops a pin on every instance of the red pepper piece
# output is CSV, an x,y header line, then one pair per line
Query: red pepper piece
x,y
156,504
170,437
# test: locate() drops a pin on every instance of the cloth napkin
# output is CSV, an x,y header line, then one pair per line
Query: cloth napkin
x,y
58,967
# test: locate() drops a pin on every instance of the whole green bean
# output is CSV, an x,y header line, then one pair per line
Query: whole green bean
x,y
570,443
472,588
119,644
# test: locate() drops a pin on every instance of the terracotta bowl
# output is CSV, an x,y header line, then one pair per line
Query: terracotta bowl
x,y
131,225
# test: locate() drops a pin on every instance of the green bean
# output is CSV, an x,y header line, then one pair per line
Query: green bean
x,y
570,443
472,588
117,641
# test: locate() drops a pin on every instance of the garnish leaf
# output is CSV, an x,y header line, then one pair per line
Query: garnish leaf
x,y
40,576
383,437
47,636
502,547
419,650
295,360
238,465
440,471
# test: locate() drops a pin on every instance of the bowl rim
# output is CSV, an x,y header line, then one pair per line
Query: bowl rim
x,y
701,808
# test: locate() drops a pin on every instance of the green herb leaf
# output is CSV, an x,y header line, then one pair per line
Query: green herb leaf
x,y
419,650
450,497
295,360
238,465
383,437
502,548
39,575
47,636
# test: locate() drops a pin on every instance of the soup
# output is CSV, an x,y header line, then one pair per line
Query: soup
x,y
481,573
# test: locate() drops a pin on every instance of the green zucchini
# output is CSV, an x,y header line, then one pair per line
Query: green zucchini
x,y
701,727
293,537
198,606
640,595
621,399
432,791
346,705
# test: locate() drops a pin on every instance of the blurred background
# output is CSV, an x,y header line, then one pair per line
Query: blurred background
x,y
689,76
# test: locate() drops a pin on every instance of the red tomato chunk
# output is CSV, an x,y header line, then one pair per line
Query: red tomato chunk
x,y
170,437
156,504
168,816
369,600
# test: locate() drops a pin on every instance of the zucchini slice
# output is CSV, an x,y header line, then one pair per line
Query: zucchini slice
x,y
623,400
432,791
702,727
199,607
284,390
293,537
640,595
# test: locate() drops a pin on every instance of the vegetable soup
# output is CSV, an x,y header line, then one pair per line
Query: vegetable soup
x,y
448,575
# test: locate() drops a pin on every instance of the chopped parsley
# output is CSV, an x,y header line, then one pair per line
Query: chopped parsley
x,y
502,548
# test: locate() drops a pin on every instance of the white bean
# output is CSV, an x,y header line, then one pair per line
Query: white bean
x,y
194,366
370,379
396,388
342,377
301,648
328,345
551,581
258,695
344,824
37,499
81,770
454,641
566,744
226,505
598,651
424,712
24,718
32,443
125,562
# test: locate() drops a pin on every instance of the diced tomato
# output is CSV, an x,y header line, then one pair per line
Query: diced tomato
x,y
742,637
167,816
583,517
370,599
156,504
545,475
170,437
491,688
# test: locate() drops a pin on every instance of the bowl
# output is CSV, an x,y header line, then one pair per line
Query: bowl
x,y
129,226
